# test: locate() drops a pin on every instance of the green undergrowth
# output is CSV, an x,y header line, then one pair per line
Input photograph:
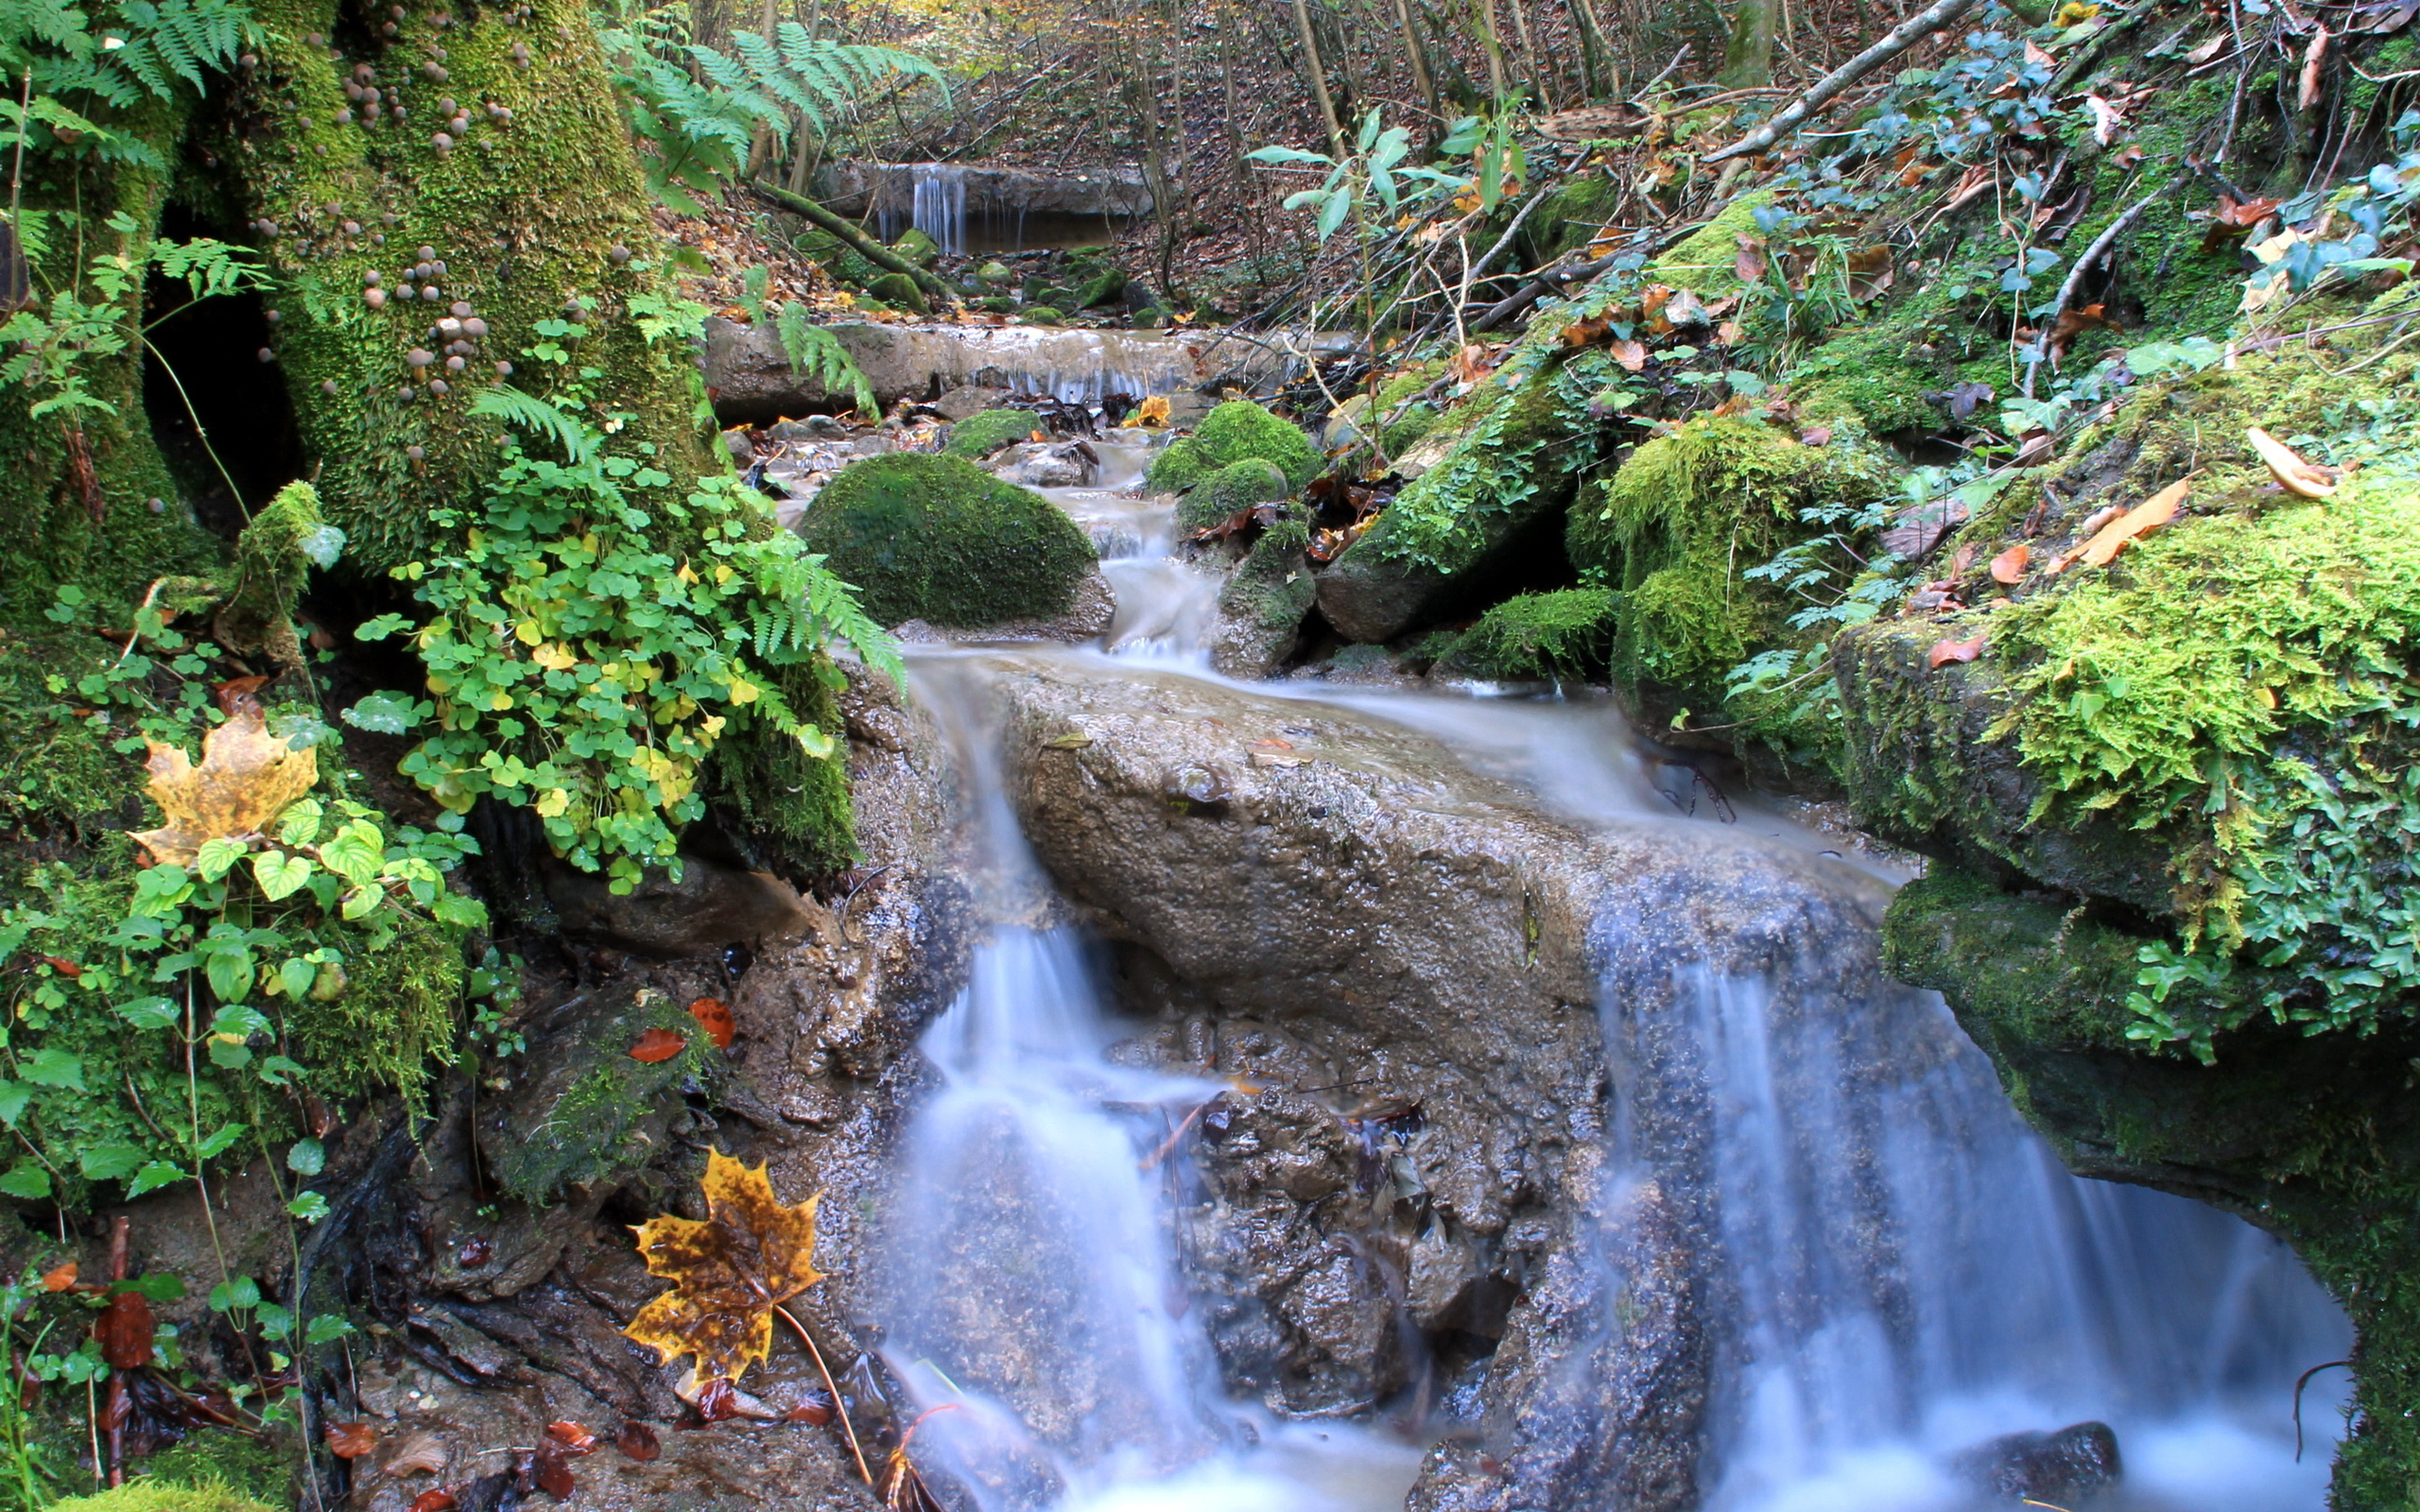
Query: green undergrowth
x,y
938,539
1236,431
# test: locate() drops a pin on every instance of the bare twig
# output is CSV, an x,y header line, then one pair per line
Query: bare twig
x,y
1902,37
829,1384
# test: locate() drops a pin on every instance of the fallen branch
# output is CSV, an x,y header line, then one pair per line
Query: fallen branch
x,y
857,241
1923,24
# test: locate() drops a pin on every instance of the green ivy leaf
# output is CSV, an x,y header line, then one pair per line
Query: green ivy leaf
x,y
148,1013
310,1207
216,857
307,1158
54,1067
385,713
13,1097
327,1327
27,1181
226,1297
281,875
106,1162
155,1175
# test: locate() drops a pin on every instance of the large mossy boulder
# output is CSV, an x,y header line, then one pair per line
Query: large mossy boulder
x,y
978,435
1236,431
938,539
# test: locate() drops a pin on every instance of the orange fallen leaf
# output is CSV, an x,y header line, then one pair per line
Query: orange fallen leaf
x,y
440,1499
2009,566
246,778
750,1255
1631,353
637,1442
350,1440
714,1017
1946,651
1151,412
658,1045
59,1279
572,1436
2307,479
1272,743
2140,520
63,966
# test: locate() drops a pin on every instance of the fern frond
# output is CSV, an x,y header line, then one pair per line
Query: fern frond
x,y
815,353
530,413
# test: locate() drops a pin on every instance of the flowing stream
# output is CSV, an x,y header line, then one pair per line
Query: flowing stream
x,y
1906,1270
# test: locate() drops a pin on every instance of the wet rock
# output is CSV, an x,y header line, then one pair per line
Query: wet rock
x,y
1370,928
970,400
1048,465
813,428
2073,1462
580,1108
753,381
708,906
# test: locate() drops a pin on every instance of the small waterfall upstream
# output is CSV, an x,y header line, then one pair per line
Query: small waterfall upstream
x,y
1903,1268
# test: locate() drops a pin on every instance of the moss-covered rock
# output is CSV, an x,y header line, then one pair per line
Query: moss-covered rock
x,y
917,247
978,435
1041,315
1564,636
1237,486
938,539
900,292
1706,260
1262,606
585,1108
1236,431
1673,530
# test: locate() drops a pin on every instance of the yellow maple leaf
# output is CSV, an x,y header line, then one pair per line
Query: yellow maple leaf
x,y
729,1273
246,778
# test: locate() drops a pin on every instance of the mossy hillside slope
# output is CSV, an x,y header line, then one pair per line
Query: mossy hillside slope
x,y
1236,431
938,539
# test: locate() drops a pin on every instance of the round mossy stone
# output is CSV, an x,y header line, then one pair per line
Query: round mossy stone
x,y
917,247
901,292
980,435
1235,487
1236,431
1042,315
939,539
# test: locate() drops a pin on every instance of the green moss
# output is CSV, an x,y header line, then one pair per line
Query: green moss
x,y
1705,260
1105,288
1237,487
779,790
1866,374
1415,425
162,1496
393,1022
1521,444
1041,315
1272,588
1569,217
980,435
1235,431
1677,523
938,539
917,247
256,1467
1566,636
900,292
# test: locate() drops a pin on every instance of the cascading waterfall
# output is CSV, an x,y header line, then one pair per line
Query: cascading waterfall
x,y
940,206
1903,1268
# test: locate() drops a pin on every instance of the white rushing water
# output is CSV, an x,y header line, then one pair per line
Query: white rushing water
x,y
1908,1268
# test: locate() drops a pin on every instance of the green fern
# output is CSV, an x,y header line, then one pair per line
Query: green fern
x,y
539,418
813,352
698,109
84,62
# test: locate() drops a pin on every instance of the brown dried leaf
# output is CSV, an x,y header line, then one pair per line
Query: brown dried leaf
x,y
714,1017
658,1045
1870,272
246,778
1631,353
553,1475
350,1440
1947,651
2140,520
2009,566
574,1438
125,1330
1750,263
2206,51
61,1279
637,1442
2314,58
729,1273
440,1499
2306,479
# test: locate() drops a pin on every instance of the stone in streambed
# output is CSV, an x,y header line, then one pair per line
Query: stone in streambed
x,y
938,539
2073,1462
